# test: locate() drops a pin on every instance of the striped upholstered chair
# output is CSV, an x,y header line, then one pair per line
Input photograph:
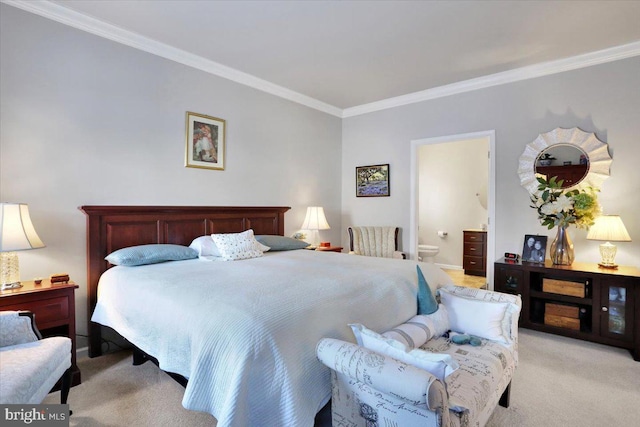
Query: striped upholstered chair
x,y
375,241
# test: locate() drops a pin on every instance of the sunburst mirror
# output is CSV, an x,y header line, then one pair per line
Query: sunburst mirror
x,y
577,157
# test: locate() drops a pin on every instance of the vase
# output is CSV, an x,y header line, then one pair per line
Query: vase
x,y
562,248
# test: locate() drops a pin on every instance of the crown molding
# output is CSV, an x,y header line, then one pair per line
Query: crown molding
x,y
529,72
92,25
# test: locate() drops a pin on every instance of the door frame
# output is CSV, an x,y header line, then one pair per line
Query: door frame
x,y
491,197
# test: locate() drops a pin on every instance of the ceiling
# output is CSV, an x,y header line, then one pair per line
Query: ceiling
x,y
350,53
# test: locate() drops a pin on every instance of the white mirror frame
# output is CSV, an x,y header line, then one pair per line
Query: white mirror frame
x,y
597,154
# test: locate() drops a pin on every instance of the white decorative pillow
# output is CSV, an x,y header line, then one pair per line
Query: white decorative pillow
x,y
510,321
205,246
236,246
438,364
484,319
421,328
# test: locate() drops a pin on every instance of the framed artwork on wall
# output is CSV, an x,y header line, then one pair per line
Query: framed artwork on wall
x,y
534,249
372,181
205,142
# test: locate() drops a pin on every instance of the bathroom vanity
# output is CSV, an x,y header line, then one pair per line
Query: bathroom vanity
x,y
474,257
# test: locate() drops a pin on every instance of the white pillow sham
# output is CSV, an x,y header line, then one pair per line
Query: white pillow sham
x,y
438,364
237,246
205,246
484,319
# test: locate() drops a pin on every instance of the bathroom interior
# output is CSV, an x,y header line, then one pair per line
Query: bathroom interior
x,y
452,208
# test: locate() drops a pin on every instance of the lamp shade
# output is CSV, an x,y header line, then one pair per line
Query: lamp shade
x,y
16,230
315,219
608,228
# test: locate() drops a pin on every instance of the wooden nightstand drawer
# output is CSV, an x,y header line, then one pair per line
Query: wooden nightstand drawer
x,y
48,312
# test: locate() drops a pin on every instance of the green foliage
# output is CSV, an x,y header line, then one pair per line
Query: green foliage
x,y
558,207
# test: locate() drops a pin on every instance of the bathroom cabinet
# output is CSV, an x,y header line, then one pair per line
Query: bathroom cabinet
x,y
474,257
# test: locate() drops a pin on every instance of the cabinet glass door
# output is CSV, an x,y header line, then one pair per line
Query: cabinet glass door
x,y
617,311
617,298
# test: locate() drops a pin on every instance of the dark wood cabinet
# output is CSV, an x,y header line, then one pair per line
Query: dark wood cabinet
x,y
54,308
581,301
474,257
571,174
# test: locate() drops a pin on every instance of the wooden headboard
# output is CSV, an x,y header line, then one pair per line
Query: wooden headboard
x,y
110,228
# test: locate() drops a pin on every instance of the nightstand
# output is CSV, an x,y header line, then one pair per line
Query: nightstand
x,y
54,308
329,249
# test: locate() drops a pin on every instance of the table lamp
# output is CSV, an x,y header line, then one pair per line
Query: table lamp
x,y
16,234
608,228
314,221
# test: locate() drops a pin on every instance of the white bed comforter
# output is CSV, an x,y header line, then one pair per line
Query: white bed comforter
x,y
244,332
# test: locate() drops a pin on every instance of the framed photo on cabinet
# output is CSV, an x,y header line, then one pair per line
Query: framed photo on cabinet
x,y
534,249
372,181
205,146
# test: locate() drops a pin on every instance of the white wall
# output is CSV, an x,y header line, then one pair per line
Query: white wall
x,y
603,99
451,177
89,121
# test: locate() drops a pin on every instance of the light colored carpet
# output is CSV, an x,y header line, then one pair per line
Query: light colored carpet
x,y
559,382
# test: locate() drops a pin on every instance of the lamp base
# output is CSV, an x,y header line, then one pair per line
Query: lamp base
x,y
9,270
603,265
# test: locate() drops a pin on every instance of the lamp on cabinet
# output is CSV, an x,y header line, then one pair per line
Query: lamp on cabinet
x,y
16,234
608,228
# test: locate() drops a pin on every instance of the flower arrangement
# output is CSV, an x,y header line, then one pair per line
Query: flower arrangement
x,y
561,207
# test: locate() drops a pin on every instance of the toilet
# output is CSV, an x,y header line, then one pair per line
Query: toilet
x,y
427,253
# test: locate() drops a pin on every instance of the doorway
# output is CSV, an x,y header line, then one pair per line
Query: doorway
x,y
454,200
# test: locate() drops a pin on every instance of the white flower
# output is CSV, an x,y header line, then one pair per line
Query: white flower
x,y
549,209
564,203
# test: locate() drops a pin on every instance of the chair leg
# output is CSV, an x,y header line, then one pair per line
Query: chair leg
x,y
65,386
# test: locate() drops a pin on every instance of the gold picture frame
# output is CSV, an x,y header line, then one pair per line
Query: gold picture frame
x,y
205,145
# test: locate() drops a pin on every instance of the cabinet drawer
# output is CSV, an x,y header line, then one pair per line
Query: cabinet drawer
x,y
474,236
474,249
473,263
48,312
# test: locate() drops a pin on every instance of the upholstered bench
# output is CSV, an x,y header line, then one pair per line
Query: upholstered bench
x,y
29,365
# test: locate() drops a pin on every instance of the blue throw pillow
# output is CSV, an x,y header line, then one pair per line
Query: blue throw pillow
x,y
281,243
427,303
150,254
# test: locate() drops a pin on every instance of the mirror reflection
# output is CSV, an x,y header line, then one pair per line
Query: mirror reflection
x,y
565,161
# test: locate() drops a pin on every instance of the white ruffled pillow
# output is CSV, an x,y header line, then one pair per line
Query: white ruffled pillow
x,y
438,364
237,246
421,328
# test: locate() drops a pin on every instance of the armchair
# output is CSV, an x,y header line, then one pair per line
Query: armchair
x,y
29,365
375,241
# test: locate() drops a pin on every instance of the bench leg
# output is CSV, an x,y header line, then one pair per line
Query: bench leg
x,y
65,386
506,396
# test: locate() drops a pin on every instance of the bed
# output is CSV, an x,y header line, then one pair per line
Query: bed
x,y
242,333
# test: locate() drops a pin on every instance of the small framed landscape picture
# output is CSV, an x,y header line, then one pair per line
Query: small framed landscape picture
x,y
534,249
205,142
372,181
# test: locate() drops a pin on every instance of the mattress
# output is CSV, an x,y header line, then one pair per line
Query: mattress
x,y
244,332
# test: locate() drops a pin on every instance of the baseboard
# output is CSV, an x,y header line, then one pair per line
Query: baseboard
x,y
449,267
82,352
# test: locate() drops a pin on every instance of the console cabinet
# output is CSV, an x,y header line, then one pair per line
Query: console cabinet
x,y
581,301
